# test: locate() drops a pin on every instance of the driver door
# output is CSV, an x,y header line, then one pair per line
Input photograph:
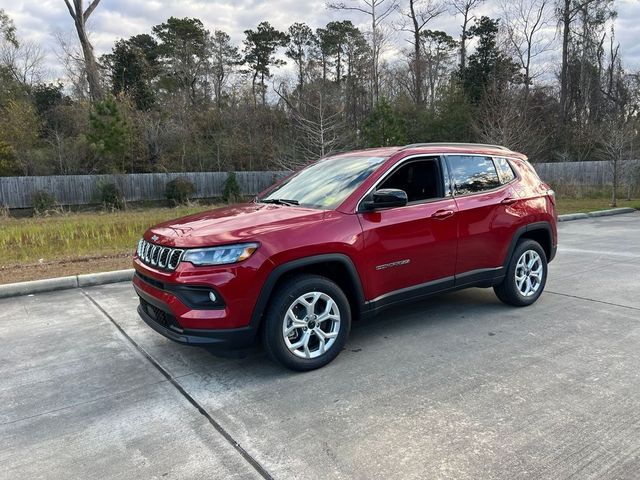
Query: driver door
x,y
411,250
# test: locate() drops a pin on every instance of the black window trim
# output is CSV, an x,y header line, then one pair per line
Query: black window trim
x,y
445,179
495,189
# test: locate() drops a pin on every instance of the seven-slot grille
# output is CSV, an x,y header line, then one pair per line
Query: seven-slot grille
x,y
158,256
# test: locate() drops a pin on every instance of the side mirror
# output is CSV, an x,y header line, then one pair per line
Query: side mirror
x,y
386,198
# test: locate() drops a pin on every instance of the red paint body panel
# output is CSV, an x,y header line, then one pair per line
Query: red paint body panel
x,y
391,249
411,235
485,228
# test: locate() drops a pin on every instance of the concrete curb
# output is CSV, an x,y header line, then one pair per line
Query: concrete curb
x,y
598,213
64,283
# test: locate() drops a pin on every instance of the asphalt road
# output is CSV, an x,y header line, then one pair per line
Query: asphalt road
x,y
459,387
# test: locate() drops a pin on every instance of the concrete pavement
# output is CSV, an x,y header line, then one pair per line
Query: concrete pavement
x,y
459,386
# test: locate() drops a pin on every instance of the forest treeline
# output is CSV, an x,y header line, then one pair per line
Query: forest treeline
x,y
544,77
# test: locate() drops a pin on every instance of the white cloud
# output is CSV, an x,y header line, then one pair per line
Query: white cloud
x,y
39,20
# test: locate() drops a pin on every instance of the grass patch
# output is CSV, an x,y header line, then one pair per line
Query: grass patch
x,y
584,205
73,235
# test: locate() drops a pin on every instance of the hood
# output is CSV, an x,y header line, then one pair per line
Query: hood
x,y
237,223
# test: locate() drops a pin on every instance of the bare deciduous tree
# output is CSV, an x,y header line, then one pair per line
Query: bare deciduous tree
x,y
319,125
614,149
420,13
378,11
464,8
80,17
24,61
501,121
72,61
525,21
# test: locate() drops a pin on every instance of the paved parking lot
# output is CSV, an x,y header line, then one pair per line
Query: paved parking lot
x,y
459,386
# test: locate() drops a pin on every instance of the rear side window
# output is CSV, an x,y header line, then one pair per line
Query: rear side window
x,y
471,174
505,172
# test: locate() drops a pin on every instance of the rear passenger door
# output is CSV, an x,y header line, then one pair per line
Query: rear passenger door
x,y
485,198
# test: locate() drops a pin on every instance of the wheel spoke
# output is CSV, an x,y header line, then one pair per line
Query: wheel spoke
x,y
303,342
307,336
295,323
327,311
321,343
310,305
528,289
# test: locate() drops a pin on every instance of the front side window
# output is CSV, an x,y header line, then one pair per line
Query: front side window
x,y
420,179
326,183
472,174
505,172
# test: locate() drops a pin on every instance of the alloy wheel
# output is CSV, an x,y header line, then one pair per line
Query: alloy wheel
x,y
311,325
529,273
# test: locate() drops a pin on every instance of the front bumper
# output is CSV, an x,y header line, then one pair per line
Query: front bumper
x,y
158,316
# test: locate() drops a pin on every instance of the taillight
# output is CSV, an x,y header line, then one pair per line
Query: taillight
x,y
552,196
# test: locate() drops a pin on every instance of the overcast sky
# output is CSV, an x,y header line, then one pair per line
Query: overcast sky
x,y
40,20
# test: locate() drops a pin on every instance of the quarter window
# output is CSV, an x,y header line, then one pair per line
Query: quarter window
x,y
505,172
471,174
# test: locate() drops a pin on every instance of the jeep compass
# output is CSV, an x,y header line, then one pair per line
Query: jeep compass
x,y
342,239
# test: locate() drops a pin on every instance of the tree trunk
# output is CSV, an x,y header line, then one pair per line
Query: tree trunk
x,y
80,17
417,55
374,56
300,76
253,88
463,40
614,191
564,71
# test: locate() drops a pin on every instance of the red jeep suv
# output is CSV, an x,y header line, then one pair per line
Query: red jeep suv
x,y
343,238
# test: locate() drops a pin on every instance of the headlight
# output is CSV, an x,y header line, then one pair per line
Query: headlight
x,y
220,255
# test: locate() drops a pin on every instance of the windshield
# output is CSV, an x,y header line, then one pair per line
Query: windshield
x,y
324,184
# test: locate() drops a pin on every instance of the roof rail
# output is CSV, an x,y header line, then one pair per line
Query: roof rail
x,y
449,144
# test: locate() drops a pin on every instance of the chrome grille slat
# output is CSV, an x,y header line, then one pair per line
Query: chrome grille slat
x,y
162,258
158,256
153,259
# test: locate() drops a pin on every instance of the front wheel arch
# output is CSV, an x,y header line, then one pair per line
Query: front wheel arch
x,y
346,277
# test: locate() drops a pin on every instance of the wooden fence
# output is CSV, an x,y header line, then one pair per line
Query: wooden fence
x,y
594,173
17,192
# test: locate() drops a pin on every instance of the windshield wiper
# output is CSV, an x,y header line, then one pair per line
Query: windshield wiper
x,y
280,201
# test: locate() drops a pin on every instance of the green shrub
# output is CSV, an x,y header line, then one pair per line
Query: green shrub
x,y
231,189
110,196
179,191
4,211
43,202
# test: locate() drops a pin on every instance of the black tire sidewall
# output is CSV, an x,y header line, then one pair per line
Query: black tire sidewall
x,y
282,299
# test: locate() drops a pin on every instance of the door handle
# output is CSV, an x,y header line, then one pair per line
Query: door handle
x,y
442,214
509,201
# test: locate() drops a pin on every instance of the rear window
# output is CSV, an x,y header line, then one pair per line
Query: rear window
x,y
471,174
505,172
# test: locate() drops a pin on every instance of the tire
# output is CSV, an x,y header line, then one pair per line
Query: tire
x,y
324,299
514,291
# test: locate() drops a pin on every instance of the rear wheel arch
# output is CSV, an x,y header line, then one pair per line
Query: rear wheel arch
x,y
337,267
538,231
